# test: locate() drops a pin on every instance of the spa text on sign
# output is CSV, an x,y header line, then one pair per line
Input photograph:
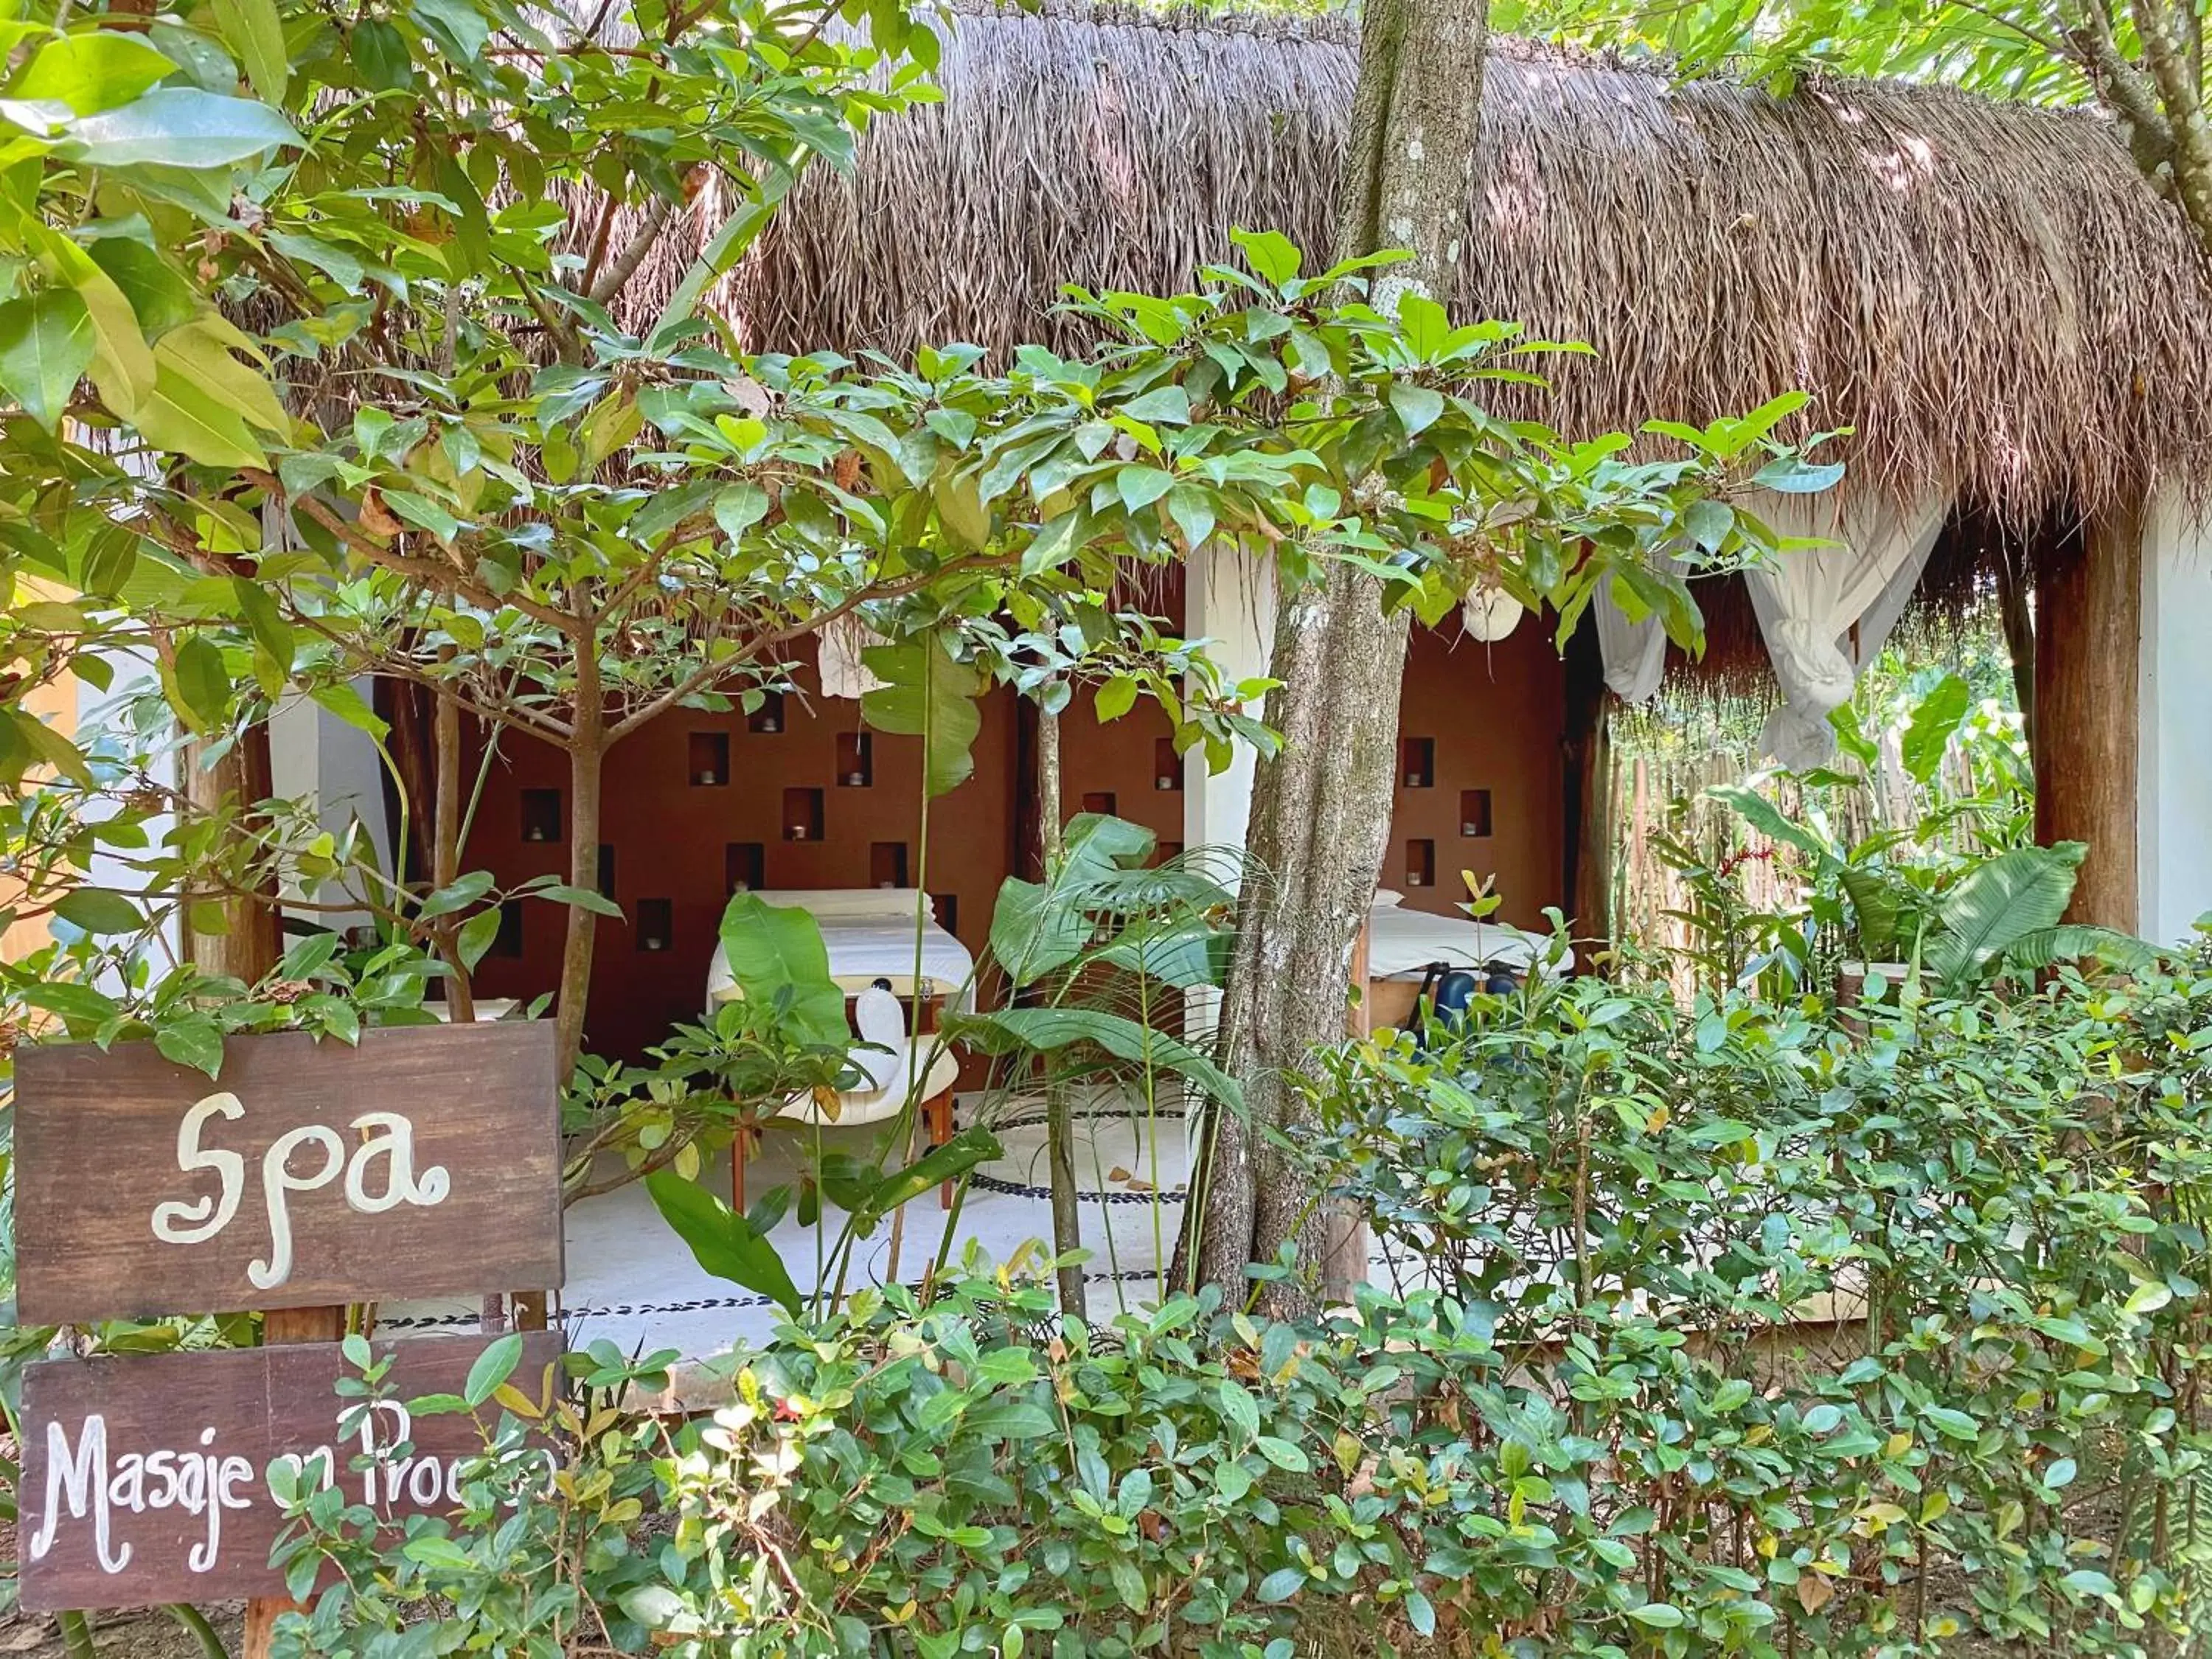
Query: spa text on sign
x,y
386,1139
424,1163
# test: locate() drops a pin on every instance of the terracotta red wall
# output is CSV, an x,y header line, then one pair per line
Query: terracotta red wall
x,y
1496,714
669,836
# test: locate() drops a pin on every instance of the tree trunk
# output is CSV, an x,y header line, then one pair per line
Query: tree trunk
x,y
252,940
2088,629
587,748
1322,810
1059,1110
446,849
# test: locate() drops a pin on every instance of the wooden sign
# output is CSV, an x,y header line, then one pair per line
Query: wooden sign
x,y
426,1162
145,1476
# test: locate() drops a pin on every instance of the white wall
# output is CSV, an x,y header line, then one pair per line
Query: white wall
x,y
2174,807
1229,599
313,753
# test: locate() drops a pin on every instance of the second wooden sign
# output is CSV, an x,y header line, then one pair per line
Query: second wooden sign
x,y
145,1476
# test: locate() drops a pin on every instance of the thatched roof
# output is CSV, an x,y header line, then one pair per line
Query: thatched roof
x,y
1987,293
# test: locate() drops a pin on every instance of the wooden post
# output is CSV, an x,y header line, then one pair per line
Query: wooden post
x,y
2088,626
1587,776
279,1326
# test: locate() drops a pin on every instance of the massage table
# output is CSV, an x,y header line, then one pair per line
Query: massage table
x,y
1398,946
869,934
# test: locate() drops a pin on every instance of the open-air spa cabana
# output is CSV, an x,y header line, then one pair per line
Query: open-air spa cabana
x,y
2018,335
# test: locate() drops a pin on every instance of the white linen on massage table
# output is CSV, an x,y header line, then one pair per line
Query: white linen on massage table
x,y
1401,943
869,934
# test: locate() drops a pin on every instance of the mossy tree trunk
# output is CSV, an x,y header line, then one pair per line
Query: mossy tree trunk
x,y
1320,810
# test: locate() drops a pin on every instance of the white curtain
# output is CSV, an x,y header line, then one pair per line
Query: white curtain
x,y
1826,611
1635,652
843,672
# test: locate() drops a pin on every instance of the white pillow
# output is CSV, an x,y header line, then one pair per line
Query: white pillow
x,y
847,903
1387,899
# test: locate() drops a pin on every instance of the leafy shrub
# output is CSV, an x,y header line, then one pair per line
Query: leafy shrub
x,y
1738,1330
1871,1337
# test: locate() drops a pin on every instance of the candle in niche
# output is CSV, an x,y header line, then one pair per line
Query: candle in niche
x,y
799,832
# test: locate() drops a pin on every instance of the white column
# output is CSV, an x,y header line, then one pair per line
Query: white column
x,y
1229,600
2173,803
314,754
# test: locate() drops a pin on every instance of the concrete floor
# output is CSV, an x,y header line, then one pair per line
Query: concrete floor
x,y
633,1283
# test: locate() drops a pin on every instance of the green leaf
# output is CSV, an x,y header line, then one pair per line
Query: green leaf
x,y
1010,1420
966,1151
78,1004
1876,905
179,127
1114,699
1163,406
348,705
1011,1031
45,347
1764,816
460,24
1282,1584
37,743
456,895
254,31
477,935
725,1242
93,71
1426,327
493,1367
183,413
1659,1615
580,898
1274,258
926,693
2149,1297
1952,1424
1417,406
195,1040
1140,486
961,509
1193,513
1789,475
270,631
122,362
202,683
1999,903
1935,718
200,352
775,951
379,51
1283,1455
98,911
156,289
739,507
656,1606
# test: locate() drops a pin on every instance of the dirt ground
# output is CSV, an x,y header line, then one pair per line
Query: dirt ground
x,y
119,1635
154,1635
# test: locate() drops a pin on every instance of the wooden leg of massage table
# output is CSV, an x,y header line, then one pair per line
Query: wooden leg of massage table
x,y
940,1115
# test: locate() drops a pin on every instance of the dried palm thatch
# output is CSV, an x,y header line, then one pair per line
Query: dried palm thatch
x,y
1986,293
